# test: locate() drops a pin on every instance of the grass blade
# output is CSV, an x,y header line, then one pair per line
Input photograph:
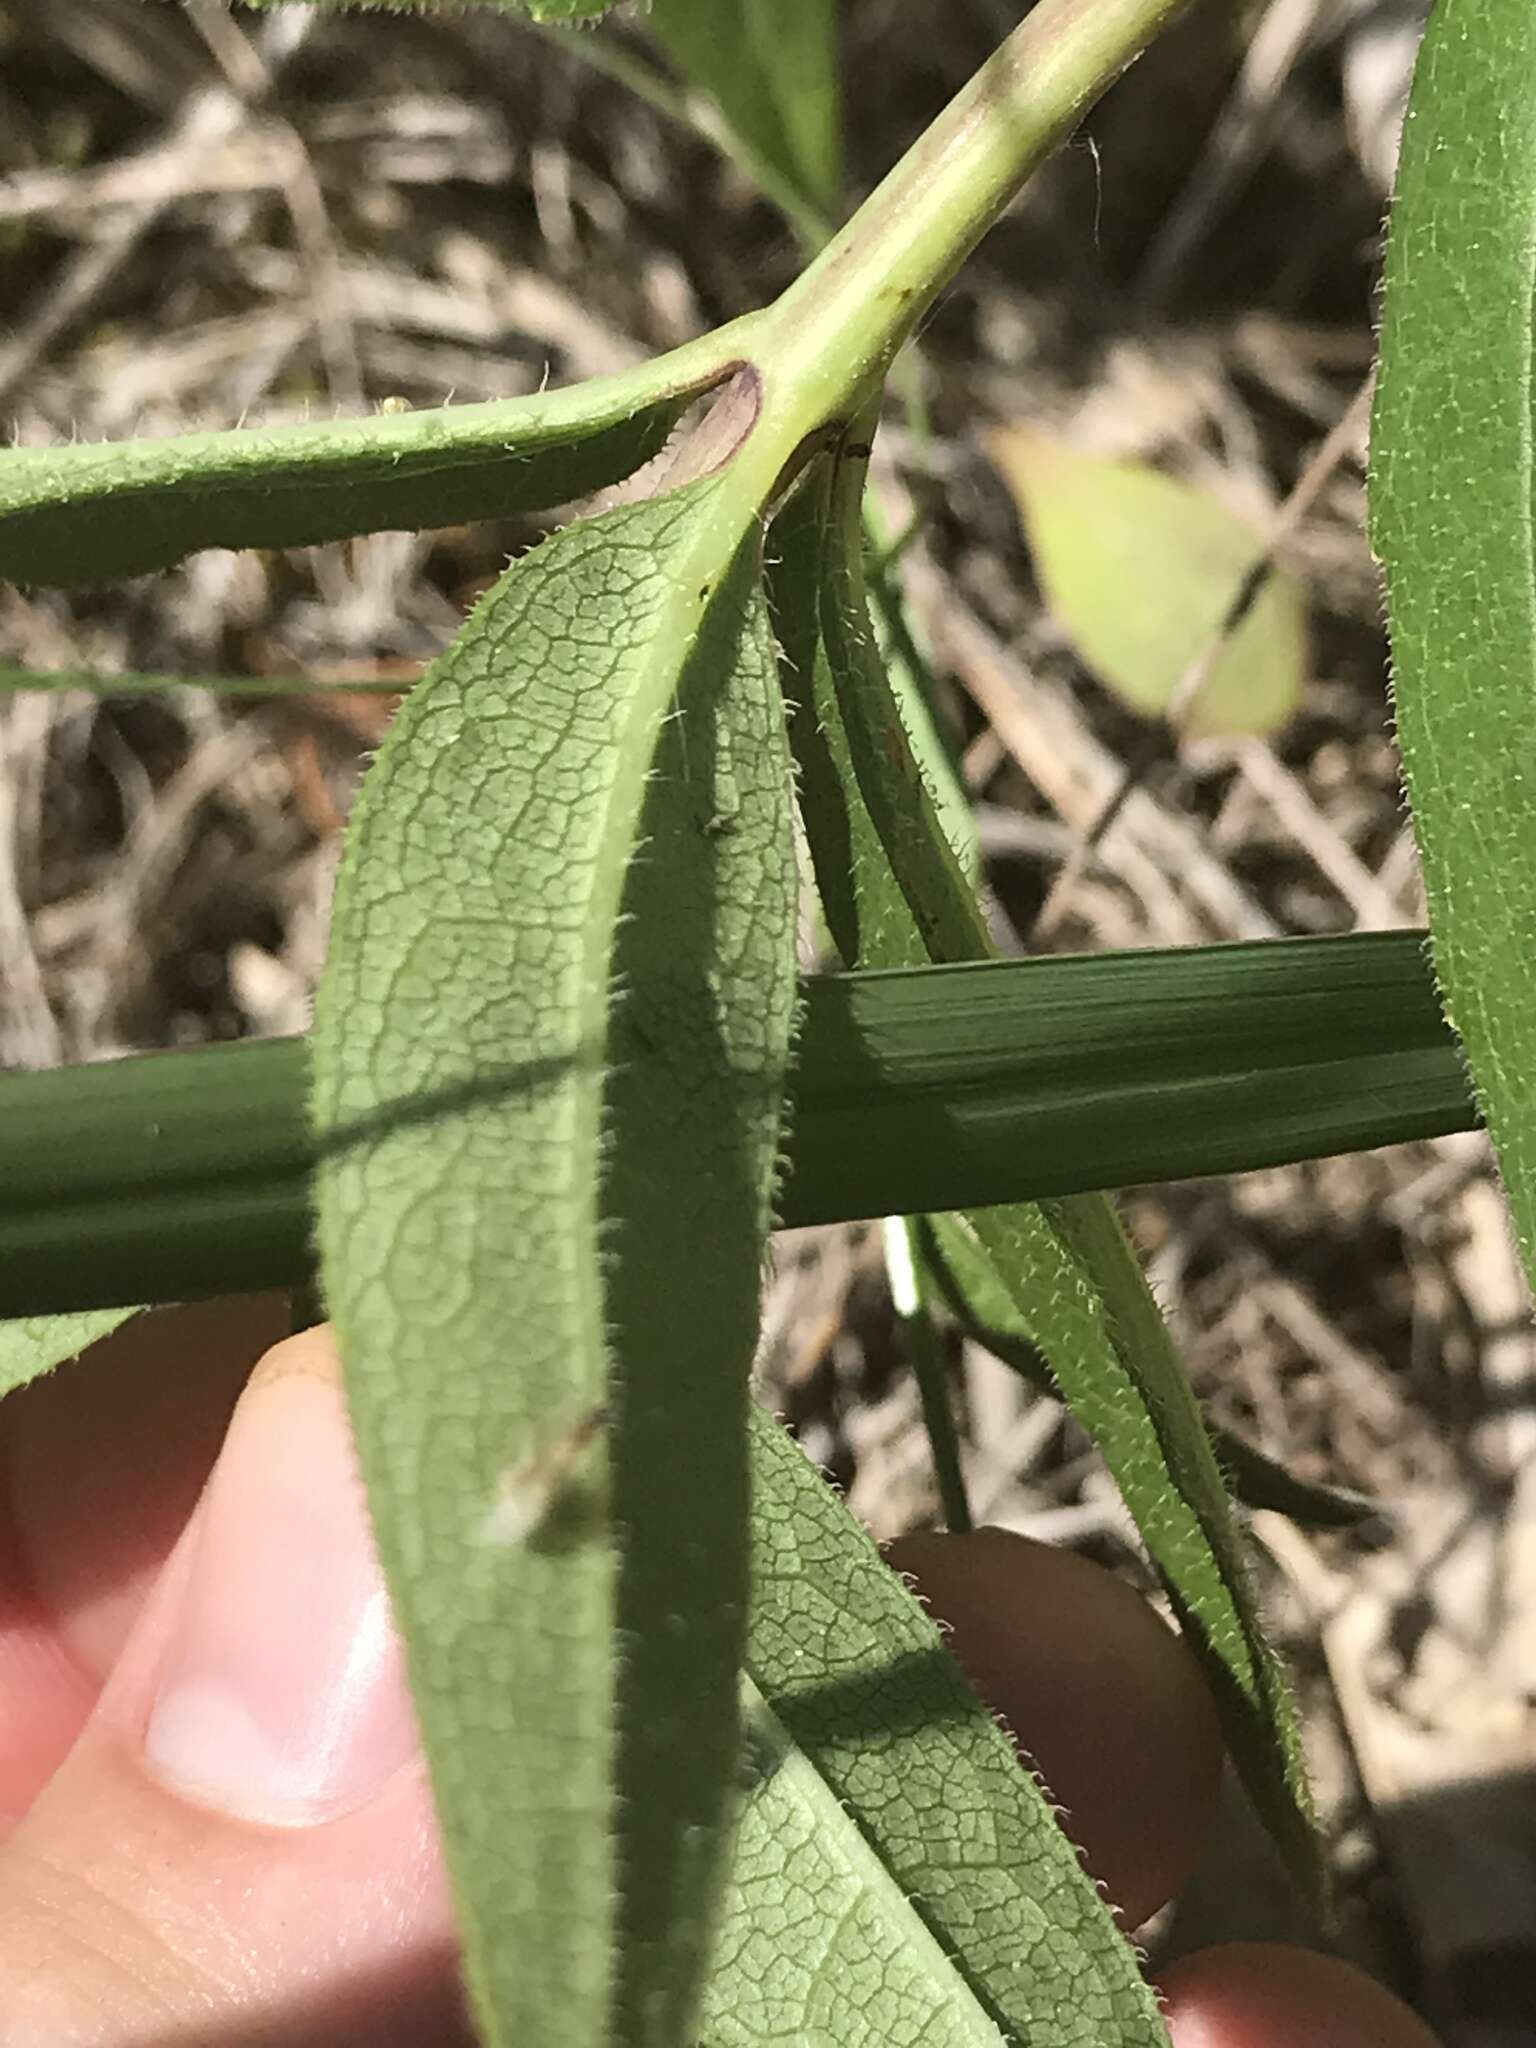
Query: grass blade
x,y
134,683
943,1088
538,10
1451,517
771,67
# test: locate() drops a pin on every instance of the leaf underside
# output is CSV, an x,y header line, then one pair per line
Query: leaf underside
x,y
900,1878
462,1060
33,1345
706,970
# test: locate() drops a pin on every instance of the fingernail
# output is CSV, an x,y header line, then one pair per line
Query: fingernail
x,y
282,1697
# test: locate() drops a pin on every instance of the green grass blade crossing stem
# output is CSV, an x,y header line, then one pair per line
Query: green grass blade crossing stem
x,y
937,1088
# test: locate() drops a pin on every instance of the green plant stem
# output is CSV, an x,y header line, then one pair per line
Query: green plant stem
x,y
834,333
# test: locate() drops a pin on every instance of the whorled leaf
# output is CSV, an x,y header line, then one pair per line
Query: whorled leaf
x,y
1074,1280
1453,452
491,1208
1140,568
899,1878
94,511
33,1345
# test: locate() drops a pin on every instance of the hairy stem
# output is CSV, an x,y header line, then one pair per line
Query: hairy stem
x,y
834,332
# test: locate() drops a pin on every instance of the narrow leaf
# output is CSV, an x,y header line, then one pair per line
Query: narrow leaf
x,y
1140,569
34,1345
92,512
1451,518
1258,1481
473,1251
866,913
900,1877
1080,1294
772,68
943,917
968,1283
1072,1275
188,1173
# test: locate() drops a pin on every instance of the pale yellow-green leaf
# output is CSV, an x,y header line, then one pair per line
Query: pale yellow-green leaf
x,y
1139,569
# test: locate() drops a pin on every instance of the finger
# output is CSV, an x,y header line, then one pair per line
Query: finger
x,y
100,1465
241,1846
1249,1995
1105,1700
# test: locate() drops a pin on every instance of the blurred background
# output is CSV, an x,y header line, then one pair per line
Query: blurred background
x,y
207,217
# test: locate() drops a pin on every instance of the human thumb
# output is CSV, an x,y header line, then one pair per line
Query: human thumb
x,y
240,1847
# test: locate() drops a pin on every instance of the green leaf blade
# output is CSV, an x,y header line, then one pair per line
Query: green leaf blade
x,y
92,512
34,1345
1079,1294
1071,1272
964,1915
701,1037
1451,518
968,1283
866,913
772,68
461,1062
